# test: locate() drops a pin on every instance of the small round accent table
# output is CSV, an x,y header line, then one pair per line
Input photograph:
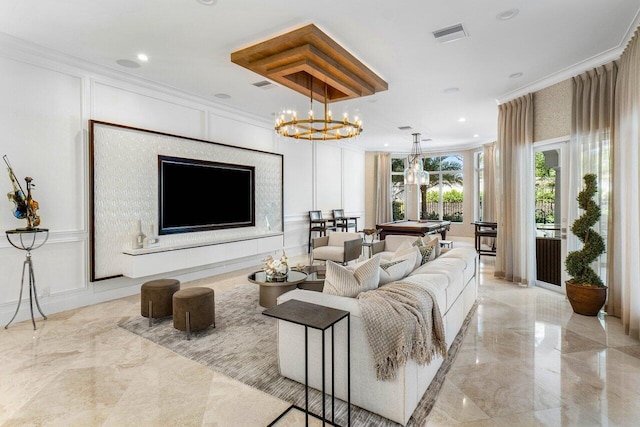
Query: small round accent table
x,y
28,239
271,290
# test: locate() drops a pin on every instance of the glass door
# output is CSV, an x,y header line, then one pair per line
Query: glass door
x,y
550,219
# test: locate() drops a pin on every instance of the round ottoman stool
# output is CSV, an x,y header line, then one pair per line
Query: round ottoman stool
x,y
194,309
156,298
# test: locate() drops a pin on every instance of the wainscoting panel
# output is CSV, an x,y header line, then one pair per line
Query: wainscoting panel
x,y
232,131
328,177
116,104
353,182
59,268
298,176
41,122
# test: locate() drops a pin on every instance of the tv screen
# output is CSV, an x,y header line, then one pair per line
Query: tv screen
x,y
198,195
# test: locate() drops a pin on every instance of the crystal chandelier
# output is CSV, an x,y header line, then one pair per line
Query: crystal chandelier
x,y
317,129
415,173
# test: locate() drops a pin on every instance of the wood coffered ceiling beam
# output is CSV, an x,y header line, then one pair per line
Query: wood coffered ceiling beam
x,y
305,60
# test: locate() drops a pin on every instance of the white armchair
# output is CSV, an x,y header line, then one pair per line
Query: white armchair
x,y
338,247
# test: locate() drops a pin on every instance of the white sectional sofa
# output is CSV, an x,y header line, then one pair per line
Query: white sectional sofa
x,y
453,279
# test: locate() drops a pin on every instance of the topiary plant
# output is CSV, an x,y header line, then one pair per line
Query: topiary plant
x,y
578,263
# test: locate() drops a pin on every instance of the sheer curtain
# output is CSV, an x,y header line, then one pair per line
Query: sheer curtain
x,y
515,260
624,247
591,124
383,188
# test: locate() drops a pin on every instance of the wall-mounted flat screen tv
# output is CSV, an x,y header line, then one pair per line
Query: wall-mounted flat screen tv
x,y
198,195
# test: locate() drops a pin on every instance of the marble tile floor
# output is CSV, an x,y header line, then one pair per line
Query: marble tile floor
x,y
527,360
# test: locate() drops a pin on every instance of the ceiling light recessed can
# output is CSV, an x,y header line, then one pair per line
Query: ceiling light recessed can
x,y
128,63
222,95
462,119
208,2
516,75
475,135
143,57
451,90
507,14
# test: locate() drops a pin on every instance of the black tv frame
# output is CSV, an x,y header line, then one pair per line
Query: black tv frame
x,y
162,230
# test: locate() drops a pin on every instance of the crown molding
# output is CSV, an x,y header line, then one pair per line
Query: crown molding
x,y
21,50
576,69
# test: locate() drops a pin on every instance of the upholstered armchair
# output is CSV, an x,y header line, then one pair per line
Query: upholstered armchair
x,y
338,247
387,247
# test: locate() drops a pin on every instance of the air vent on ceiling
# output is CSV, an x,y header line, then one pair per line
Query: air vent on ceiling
x,y
449,34
405,127
264,84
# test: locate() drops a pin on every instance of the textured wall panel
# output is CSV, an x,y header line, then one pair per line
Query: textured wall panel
x,y
552,111
126,189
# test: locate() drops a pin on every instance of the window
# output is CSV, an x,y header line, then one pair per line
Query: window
x,y
397,188
479,183
442,197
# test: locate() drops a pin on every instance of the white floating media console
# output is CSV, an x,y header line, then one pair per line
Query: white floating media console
x,y
157,260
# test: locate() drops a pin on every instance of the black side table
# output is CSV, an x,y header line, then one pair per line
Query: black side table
x,y
322,318
28,239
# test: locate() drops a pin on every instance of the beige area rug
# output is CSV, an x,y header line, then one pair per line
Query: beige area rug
x,y
243,346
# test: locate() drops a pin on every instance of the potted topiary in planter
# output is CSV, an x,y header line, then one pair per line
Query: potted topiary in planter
x,y
585,290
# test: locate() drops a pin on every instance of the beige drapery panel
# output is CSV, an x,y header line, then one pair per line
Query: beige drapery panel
x,y
591,128
624,247
489,177
383,188
514,192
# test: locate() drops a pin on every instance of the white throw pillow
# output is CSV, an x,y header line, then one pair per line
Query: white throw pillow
x,y
390,271
409,251
342,281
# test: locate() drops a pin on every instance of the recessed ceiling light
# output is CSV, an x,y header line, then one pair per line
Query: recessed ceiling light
x,y
451,90
143,57
128,63
208,2
516,75
462,119
475,135
386,145
507,14
222,96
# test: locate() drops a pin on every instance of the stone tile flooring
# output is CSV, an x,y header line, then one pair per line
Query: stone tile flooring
x,y
527,360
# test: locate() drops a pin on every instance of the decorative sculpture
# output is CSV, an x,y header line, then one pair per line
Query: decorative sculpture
x,y
25,207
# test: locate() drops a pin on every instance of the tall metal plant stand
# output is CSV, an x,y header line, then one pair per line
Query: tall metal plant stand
x,y
28,239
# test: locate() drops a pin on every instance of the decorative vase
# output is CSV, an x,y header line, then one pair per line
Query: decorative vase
x,y
277,277
586,300
138,238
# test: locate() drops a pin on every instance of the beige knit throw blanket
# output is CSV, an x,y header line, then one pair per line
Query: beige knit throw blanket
x,y
402,320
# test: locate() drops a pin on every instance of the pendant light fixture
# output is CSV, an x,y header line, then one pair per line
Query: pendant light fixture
x,y
415,173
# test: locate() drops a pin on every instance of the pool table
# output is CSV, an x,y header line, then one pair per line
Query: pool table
x,y
415,228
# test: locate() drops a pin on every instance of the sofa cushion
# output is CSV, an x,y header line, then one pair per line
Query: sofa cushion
x,y
392,242
391,271
333,253
343,281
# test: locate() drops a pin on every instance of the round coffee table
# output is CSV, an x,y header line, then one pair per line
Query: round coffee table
x,y
271,290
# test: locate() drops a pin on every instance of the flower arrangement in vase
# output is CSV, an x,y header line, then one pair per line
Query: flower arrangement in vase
x,y
276,269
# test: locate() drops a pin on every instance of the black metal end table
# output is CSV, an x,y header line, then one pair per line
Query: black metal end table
x,y
322,318
28,239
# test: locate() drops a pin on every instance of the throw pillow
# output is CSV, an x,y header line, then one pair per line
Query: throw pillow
x,y
418,242
391,271
435,243
411,252
425,252
342,281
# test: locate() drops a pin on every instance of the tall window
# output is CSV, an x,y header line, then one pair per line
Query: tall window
x,y
397,188
442,197
479,183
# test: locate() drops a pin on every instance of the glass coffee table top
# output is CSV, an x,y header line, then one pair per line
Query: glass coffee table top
x,y
292,278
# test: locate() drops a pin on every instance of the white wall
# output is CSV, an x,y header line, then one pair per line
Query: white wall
x,y
44,112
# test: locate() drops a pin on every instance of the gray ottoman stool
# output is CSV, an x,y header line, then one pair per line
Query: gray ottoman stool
x,y
194,309
156,298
